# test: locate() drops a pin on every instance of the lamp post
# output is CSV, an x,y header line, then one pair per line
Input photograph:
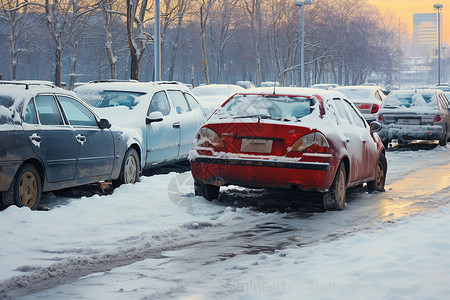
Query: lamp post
x,y
302,51
157,43
439,8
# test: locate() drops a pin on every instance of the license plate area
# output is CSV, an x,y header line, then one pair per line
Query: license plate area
x,y
408,121
256,145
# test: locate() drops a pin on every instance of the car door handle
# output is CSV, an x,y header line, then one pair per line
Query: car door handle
x,y
176,125
36,137
81,139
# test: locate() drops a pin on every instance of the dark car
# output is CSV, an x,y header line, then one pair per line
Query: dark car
x,y
50,140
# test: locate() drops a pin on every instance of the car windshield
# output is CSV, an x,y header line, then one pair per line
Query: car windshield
x,y
112,98
355,93
408,100
260,106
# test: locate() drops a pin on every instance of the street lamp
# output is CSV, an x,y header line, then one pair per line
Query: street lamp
x,y
439,8
157,43
302,51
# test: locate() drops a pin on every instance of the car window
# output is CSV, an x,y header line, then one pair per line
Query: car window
x,y
276,107
77,113
179,101
344,115
409,99
30,113
378,95
356,117
48,110
159,103
193,104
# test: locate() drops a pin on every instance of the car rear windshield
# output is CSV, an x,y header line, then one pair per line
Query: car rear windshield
x,y
409,100
111,98
355,93
7,110
266,106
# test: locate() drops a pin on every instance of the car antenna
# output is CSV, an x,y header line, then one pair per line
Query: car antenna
x,y
274,84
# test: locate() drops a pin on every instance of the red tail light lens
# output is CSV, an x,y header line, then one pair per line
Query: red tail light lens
x,y
380,117
375,109
364,106
437,118
314,142
207,138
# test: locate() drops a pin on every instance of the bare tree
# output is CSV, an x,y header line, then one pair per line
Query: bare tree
x,y
15,14
136,34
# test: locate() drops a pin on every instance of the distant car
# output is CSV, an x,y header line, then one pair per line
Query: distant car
x,y
408,115
366,98
298,138
324,86
213,95
50,140
245,84
160,118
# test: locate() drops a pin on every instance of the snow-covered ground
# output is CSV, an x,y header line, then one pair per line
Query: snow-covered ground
x,y
156,240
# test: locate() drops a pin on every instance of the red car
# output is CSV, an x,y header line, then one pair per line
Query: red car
x,y
294,138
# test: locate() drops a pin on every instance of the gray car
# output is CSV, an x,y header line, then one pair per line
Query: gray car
x,y
408,115
50,140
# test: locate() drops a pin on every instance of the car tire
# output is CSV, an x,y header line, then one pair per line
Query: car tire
x,y
380,179
210,192
334,199
25,189
129,172
443,139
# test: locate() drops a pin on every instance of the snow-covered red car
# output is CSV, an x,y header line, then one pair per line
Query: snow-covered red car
x,y
294,138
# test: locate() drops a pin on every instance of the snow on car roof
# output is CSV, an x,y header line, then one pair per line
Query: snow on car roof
x,y
132,86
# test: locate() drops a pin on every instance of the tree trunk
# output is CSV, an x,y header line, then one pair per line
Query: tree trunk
x,y
203,34
58,65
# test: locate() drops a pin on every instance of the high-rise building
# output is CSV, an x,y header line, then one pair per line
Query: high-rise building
x,y
425,33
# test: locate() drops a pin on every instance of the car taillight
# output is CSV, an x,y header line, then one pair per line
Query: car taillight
x,y
311,142
207,138
364,106
437,118
375,108
380,117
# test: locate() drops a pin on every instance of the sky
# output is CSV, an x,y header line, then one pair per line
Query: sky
x,y
404,9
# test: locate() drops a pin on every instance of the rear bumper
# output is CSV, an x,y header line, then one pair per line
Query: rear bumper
x,y
410,132
259,173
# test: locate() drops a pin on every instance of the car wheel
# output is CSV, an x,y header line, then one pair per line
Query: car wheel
x,y
25,189
380,179
334,199
210,192
443,139
129,172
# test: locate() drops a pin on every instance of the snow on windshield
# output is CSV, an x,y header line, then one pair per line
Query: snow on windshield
x,y
355,93
110,98
11,105
409,100
276,107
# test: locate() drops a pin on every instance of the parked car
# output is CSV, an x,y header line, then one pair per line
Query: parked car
x,y
161,118
296,138
408,115
213,95
50,140
366,98
324,86
245,84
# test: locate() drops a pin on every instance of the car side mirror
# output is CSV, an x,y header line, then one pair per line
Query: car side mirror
x,y
155,116
375,127
104,124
